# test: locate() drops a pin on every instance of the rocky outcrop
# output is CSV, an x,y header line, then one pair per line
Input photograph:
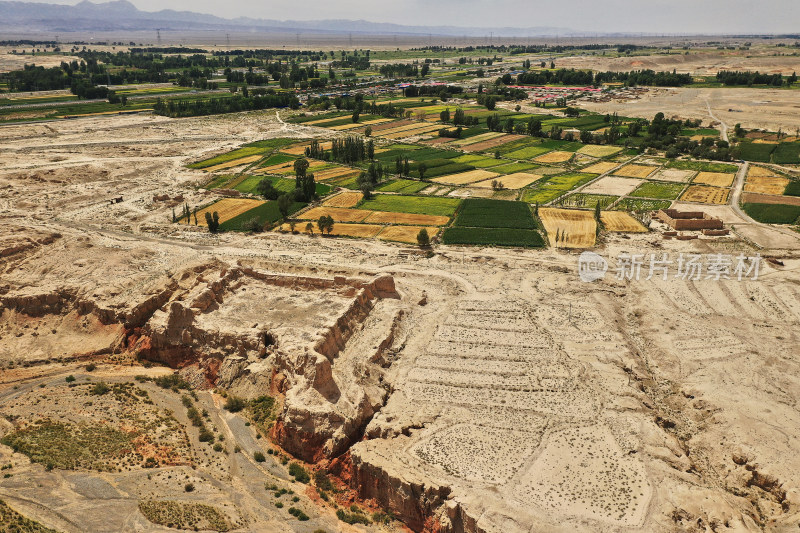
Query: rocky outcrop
x,y
419,506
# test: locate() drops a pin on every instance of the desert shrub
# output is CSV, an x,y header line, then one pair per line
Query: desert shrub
x,y
234,404
185,515
297,513
99,389
299,473
206,435
189,487
171,381
352,518
259,457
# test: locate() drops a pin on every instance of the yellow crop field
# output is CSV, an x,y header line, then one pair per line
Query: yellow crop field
x,y
478,138
300,149
705,195
337,213
635,171
463,178
577,227
386,217
596,150
407,234
340,230
600,168
227,208
765,184
621,222
235,163
517,180
759,172
335,172
715,179
345,199
420,130
554,157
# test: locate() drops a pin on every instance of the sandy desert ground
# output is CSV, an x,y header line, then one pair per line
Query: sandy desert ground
x,y
768,109
477,390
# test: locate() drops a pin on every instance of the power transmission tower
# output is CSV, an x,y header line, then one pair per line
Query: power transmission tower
x,y
158,36
228,39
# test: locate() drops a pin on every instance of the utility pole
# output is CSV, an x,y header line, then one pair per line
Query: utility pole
x,y
228,39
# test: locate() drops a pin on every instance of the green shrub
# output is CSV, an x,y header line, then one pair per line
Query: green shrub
x,y
297,513
206,435
299,473
234,404
99,389
259,457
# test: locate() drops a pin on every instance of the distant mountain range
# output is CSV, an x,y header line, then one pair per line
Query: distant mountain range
x,y
123,15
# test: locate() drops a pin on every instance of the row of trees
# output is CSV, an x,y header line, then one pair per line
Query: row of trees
x,y
586,77
215,106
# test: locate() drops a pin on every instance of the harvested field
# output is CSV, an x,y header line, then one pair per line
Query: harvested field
x,y
405,127
511,181
227,208
755,198
387,217
756,171
672,174
300,149
596,150
345,199
360,124
715,179
410,133
555,157
613,185
492,143
407,234
766,184
579,227
463,192
620,222
478,138
338,214
635,171
340,229
600,168
705,195
234,163
464,178
333,173
392,125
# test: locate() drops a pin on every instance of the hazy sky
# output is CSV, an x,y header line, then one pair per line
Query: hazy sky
x,y
652,16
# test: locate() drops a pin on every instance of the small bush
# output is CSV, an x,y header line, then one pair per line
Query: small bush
x,y
100,388
189,487
234,404
69,379
91,367
259,457
206,435
297,513
299,473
